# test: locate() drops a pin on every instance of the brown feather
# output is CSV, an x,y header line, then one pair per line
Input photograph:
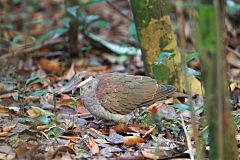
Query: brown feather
x,y
121,93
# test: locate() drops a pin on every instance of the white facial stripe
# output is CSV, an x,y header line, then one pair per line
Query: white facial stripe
x,y
85,81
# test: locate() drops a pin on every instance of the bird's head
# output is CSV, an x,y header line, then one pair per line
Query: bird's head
x,y
82,80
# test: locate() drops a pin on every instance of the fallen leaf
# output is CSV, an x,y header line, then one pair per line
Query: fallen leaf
x,y
70,73
3,155
154,107
42,128
195,85
233,60
3,109
73,138
233,86
149,155
92,145
132,140
121,128
115,138
1,87
8,128
50,66
149,131
36,111
161,110
3,134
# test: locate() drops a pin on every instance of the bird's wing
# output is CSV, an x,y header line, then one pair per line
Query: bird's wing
x,y
121,93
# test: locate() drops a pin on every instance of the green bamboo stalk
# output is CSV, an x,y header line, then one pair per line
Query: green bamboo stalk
x,y
211,46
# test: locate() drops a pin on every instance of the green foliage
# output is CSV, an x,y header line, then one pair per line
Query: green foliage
x,y
55,132
160,70
207,18
74,103
164,57
16,142
132,30
115,48
180,107
24,88
189,57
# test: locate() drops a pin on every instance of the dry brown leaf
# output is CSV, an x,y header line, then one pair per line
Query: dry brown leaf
x,y
233,86
149,131
138,128
80,109
92,145
154,107
33,113
1,87
121,128
50,66
195,85
8,128
3,109
73,138
233,59
70,73
3,134
132,140
149,155
3,155
42,128
160,110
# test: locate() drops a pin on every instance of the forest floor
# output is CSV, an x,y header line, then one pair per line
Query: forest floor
x,y
35,123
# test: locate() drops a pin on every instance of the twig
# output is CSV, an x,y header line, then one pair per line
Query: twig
x,y
119,11
188,140
30,50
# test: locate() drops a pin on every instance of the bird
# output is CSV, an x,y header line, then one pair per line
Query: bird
x,y
115,96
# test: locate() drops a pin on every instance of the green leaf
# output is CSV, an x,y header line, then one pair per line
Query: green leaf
x,y
9,26
74,99
193,72
42,22
55,131
73,10
58,32
43,37
191,56
90,2
8,82
100,23
66,21
43,119
91,18
39,92
180,107
115,48
16,39
161,72
164,56
25,119
38,81
133,32
73,104
30,79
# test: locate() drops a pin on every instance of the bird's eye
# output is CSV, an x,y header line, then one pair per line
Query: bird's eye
x,y
83,79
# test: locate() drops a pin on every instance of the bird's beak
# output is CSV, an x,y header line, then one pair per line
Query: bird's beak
x,y
85,82
73,86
